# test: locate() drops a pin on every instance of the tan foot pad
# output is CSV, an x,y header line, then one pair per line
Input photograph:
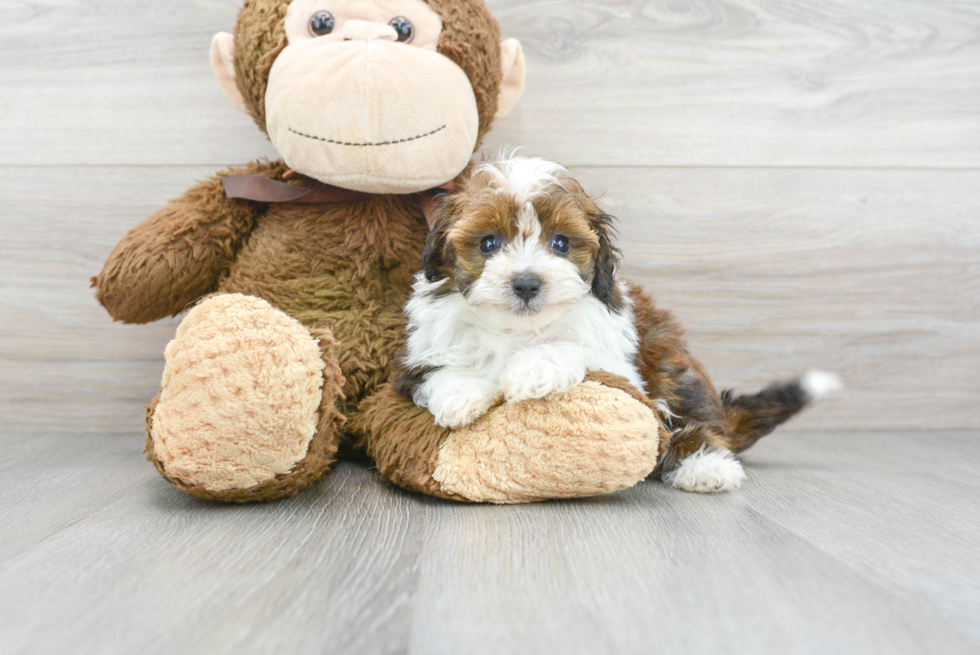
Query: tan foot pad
x,y
593,439
240,397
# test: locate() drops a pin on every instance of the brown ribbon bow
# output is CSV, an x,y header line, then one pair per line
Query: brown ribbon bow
x,y
259,188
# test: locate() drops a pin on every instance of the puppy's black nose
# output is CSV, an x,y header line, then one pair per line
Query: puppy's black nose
x,y
526,286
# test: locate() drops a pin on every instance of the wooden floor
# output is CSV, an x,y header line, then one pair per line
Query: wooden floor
x,y
799,180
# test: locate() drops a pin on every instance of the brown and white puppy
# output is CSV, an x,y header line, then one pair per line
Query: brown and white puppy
x,y
519,296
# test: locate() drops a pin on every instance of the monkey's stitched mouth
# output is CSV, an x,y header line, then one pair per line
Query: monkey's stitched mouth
x,y
368,144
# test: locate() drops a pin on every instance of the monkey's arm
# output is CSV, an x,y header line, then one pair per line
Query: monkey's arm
x,y
177,255
596,438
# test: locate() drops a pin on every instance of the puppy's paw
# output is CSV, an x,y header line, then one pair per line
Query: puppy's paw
x,y
531,376
454,406
707,471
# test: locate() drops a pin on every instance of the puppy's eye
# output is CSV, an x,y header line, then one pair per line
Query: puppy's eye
x,y
404,27
490,244
321,23
559,243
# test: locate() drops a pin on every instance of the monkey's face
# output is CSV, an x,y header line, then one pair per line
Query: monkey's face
x,y
361,99
360,96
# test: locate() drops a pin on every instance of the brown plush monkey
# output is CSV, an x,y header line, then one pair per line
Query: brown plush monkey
x,y
296,294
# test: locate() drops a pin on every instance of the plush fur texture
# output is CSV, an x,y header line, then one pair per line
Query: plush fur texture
x,y
596,438
347,268
248,406
339,270
402,440
179,254
585,441
476,334
402,102
470,38
238,374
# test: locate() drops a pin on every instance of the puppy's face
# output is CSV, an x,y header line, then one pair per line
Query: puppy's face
x,y
522,236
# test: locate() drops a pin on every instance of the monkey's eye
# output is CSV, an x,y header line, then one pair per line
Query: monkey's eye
x,y
490,244
559,243
404,27
321,23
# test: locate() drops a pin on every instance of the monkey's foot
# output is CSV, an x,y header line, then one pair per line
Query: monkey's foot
x,y
596,438
246,410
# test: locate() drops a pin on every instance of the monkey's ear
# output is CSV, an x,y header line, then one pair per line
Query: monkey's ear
x,y
515,72
223,65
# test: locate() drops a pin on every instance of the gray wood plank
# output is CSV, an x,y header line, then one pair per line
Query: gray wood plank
x,y
659,571
826,549
153,570
887,83
58,480
873,274
900,510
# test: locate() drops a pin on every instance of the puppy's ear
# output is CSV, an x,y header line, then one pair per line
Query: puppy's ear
x,y
434,257
606,263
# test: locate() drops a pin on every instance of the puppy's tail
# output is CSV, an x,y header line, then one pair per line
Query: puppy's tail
x,y
751,417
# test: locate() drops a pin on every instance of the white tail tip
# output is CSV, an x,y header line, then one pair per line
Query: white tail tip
x,y
818,384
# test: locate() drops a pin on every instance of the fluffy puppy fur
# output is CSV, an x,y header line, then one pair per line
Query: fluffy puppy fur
x,y
519,295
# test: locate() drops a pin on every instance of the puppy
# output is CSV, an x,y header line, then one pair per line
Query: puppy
x,y
519,297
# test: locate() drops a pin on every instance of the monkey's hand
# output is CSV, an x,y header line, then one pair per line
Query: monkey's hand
x,y
177,255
